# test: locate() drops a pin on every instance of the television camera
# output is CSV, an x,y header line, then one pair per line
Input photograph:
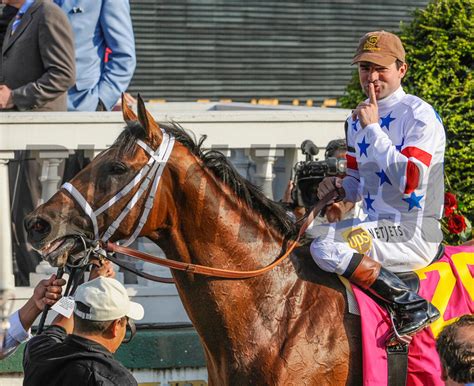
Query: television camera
x,y
309,173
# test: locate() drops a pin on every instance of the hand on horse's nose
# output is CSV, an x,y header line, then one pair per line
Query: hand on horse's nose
x,y
37,228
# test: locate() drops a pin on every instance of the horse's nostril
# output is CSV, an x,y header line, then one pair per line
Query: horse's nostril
x,y
38,228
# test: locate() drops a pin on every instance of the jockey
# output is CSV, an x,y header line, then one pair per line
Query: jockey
x,y
395,161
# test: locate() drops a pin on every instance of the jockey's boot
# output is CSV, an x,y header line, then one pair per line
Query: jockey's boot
x,y
412,312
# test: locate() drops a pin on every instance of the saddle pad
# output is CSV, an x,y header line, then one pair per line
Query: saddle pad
x,y
449,285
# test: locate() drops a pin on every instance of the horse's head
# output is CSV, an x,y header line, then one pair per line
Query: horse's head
x,y
120,181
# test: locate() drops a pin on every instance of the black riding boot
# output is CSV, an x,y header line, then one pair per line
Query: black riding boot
x,y
412,312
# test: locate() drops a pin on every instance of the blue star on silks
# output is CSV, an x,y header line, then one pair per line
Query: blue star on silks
x,y
363,147
413,201
386,121
354,124
368,202
399,147
383,177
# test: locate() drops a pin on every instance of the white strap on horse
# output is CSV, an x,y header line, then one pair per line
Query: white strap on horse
x,y
150,173
83,203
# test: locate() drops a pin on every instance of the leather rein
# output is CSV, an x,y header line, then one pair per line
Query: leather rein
x,y
210,271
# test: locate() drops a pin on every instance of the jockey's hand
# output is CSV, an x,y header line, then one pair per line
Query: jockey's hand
x,y
367,113
338,210
328,185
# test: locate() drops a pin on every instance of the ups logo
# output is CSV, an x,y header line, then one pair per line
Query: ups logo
x,y
371,43
358,239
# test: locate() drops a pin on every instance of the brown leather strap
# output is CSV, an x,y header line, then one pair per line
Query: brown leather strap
x,y
366,272
218,272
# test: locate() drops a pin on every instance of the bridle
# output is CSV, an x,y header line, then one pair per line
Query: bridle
x,y
150,173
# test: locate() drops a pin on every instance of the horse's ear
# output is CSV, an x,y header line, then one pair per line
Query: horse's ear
x,y
127,112
148,122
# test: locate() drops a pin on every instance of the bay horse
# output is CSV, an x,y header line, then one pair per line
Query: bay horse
x,y
290,326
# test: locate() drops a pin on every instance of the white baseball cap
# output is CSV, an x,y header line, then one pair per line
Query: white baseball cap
x,y
104,299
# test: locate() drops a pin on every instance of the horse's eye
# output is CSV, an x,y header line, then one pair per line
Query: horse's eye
x,y
117,168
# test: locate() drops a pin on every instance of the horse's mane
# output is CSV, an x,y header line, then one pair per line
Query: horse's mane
x,y
273,213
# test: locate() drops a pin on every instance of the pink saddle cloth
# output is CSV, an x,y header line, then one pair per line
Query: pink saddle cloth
x,y
449,285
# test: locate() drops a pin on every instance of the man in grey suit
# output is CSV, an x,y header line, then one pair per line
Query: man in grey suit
x,y
37,65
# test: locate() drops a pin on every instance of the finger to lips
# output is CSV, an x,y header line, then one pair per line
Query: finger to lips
x,y
372,96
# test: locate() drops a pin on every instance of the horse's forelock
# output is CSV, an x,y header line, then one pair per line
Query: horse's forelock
x,y
125,142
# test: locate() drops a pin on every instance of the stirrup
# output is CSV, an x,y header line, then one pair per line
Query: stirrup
x,y
395,338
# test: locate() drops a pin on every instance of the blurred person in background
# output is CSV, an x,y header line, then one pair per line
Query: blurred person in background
x,y
336,148
105,52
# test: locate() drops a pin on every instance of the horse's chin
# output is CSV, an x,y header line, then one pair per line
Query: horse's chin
x,y
58,251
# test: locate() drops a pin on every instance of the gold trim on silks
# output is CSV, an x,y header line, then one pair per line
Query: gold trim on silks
x,y
358,239
371,43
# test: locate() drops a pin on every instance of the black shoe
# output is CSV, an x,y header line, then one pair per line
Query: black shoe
x,y
409,323
412,312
